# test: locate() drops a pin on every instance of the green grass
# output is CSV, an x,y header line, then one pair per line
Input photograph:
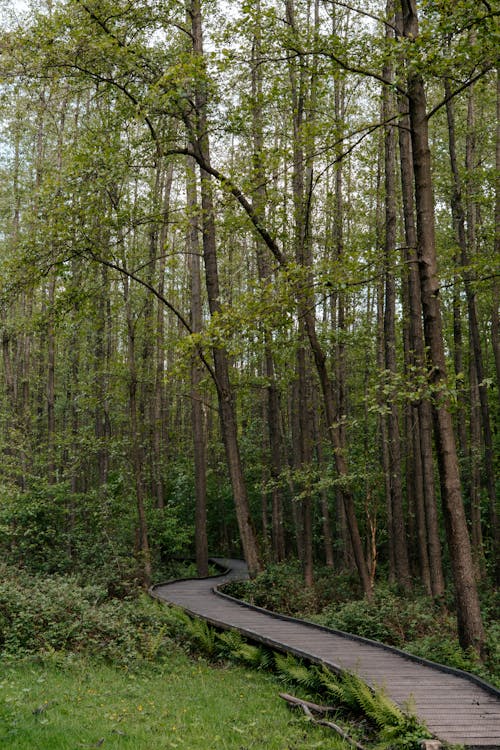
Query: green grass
x,y
65,703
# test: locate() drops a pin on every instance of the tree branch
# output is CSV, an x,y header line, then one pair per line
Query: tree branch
x,y
116,267
458,91
362,13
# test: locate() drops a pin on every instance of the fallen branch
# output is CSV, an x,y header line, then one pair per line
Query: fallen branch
x,y
292,700
308,708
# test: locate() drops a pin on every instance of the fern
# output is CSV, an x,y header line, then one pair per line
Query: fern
x,y
331,684
294,670
178,618
154,643
197,631
204,635
231,641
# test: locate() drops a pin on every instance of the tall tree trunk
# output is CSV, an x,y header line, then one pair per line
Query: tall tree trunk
x,y
495,316
339,318
466,242
102,356
470,625
417,344
197,419
302,253
227,406
51,368
136,458
265,274
474,468
466,251
397,529
159,431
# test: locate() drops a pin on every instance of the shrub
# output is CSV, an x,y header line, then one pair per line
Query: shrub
x,y
389,618
56,613
279,588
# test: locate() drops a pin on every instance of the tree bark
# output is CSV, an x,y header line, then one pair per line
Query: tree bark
x,y
470,625
225,394
197,418
397,529
417,344
272,406
466,241
136,458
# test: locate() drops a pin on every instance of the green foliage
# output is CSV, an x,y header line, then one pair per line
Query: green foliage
x,y
389,617
279,588
47,529
236,647
295,671
56,614
203,635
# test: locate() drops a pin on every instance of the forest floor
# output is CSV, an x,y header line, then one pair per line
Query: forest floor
x,y
70,703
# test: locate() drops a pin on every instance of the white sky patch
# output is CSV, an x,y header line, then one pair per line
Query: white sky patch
x,y
12,11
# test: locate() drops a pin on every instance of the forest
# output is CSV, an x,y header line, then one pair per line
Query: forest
x,y
249,294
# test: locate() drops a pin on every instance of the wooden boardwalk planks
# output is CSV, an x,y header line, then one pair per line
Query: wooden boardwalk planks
x,y
456,708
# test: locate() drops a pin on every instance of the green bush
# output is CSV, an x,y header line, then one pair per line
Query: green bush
x,y
56,613
389,618
279,588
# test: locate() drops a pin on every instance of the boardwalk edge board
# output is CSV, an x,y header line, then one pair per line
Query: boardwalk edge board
x,y
478,726
349,636
361,639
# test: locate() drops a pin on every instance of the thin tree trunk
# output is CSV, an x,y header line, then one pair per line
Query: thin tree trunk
x,y
159,430
136,458
417,345
474,469
51,397
470,625
397,528
495,317
227,407
467,249
325,505
197,420
264,270
301,243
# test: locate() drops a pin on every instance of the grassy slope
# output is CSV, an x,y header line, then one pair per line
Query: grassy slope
x,y
73,702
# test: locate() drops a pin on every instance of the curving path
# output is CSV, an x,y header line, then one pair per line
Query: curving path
x,y
457,708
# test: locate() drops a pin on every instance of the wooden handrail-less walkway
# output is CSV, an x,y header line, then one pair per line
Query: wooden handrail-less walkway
x,y
457,708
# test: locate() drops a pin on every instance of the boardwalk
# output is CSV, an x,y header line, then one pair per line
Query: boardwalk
x,y
456,709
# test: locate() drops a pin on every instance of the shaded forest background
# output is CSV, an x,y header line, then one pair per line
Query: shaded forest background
x,y
249,289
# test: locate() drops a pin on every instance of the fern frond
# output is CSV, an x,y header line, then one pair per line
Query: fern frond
x,y
387,711
202,634
177,616
294,670
231,640
331,684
